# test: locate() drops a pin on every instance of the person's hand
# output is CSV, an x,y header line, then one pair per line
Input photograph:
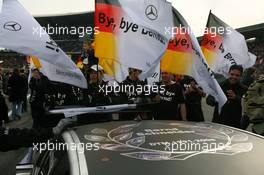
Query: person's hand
x,y
193,86
2,94
231,95
210,100
63,124
156,98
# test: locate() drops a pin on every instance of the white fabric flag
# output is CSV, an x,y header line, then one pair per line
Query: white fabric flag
x,y
150,44
139,50
152,14
201,71
1,3
138,43
232,47
155,77
252,60
20,32
235,45
202,74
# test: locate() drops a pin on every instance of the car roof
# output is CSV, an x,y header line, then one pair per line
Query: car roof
x,y
153,147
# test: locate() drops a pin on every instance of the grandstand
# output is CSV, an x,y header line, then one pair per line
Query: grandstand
x,y
255,38
69,42
12,59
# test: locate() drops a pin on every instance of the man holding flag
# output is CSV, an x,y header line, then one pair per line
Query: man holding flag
x,y
225,49
184,57
231,112
130,47
132,33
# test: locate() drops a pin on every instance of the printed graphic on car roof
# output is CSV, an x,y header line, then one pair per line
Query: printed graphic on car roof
x,y
170,141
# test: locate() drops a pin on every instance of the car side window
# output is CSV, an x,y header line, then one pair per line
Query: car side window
x,y
41,166
59,163
52,162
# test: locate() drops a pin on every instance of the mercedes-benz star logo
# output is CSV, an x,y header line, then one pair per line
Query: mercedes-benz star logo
x,y
151,12
12,26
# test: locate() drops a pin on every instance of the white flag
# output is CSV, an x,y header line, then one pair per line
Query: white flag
x,y
132,41
1,3
155,77
224,47
186,58
20,32
153,14
252,60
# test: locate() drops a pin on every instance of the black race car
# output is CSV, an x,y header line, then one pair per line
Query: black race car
x,y
149,147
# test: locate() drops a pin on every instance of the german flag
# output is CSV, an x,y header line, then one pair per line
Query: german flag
x,y
107,16
124,39
178,57
108,65
223,46
184,57
79,63
34,62
212,41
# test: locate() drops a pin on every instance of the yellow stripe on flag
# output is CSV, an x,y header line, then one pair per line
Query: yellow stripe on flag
x,y
179,63
105,45
211,57
109,66
36,62
80,65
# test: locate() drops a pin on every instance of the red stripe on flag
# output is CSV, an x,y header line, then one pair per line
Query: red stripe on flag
x,y
212,41
107,17
181,43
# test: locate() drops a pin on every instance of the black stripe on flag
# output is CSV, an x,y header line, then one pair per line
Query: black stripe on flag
x,y
110,2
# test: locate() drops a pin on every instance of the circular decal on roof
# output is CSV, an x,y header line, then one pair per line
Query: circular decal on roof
x,y
170,141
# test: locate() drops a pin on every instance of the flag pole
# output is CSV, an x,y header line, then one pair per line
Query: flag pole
x,y
94,51
207,24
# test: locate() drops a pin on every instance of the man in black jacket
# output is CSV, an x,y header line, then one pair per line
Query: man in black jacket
x,y
95,85
231,112
3,106
170,98
38,85
133,90
16,86
11,139
133,87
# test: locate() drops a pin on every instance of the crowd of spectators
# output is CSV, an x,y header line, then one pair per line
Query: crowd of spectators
x,y
70,46
256,48
176,99
12,60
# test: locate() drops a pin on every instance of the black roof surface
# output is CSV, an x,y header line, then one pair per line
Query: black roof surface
x,y
153,147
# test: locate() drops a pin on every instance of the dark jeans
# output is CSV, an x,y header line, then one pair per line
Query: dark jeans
x,y
3,110
244,122
37,114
